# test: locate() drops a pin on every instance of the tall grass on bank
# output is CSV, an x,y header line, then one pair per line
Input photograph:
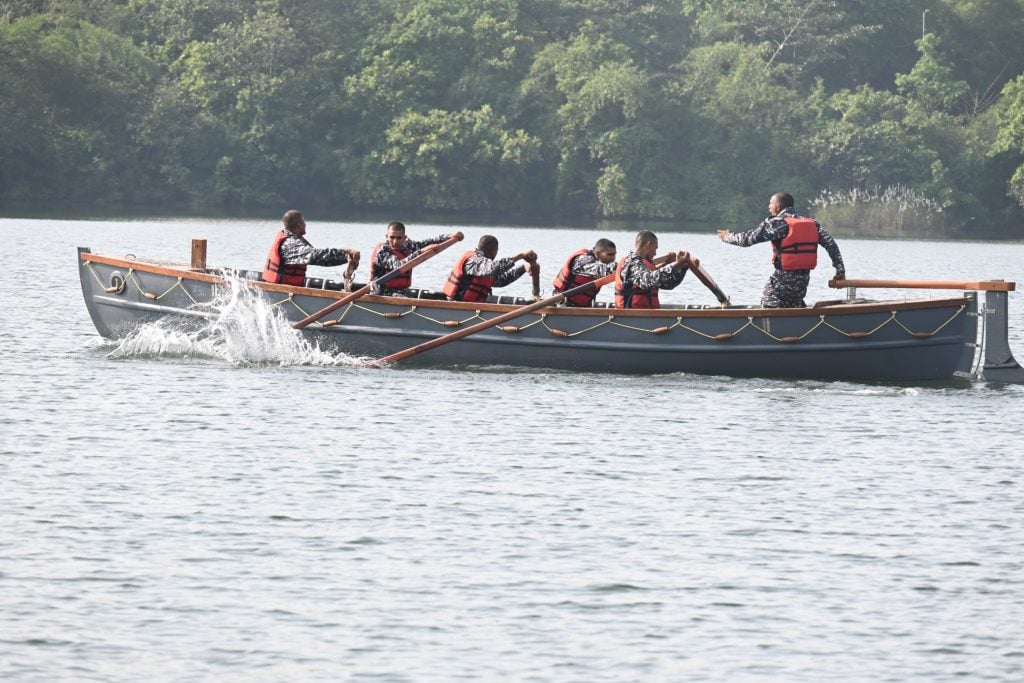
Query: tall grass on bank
x,y
897,211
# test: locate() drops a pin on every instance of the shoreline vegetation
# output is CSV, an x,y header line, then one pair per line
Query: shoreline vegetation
x,y
564,111
892,214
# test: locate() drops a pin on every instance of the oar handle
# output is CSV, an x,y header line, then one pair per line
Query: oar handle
x,y
497,320
426,253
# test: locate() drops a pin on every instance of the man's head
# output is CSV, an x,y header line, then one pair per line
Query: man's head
x,y
604,250
646,244
488,244
294,222
395,235
778,202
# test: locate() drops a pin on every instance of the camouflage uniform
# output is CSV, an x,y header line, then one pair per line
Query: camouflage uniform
x,y
385,260
637,275
786,288
503,270
296,250
588,266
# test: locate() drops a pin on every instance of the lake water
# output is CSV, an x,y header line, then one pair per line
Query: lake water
x,y
180,510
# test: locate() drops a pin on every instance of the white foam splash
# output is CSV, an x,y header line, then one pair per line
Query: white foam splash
x,y
244,330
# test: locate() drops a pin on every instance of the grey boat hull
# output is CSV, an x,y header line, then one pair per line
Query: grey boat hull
x,y
905,341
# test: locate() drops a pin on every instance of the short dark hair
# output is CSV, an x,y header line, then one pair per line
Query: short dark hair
x,y
487,242
396,225
785,199
292,218
645,237
604,245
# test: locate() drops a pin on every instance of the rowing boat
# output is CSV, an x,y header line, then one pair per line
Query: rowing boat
x,y
906,340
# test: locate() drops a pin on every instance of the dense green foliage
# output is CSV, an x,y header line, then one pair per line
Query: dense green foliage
x,y
685,109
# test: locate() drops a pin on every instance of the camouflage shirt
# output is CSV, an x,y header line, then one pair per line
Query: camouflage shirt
x,y
296,250
503,270
637,275
775,229
786,288
386,260
588,265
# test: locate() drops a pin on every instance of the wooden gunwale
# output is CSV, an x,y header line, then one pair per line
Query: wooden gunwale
x,y
972,285
182,271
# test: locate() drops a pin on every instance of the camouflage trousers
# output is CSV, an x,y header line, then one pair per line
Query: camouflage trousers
x,y
786,289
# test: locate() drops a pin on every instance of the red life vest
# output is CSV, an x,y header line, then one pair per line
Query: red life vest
x,y
288,274
799,248
628,296
400,281
566,280
463,287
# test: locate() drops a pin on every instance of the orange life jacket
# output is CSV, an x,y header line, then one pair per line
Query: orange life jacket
x,y
287,274
463,287
628,296
566,280
400,281
799,248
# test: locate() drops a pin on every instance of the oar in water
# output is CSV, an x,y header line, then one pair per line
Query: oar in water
x,y
504,317
428,252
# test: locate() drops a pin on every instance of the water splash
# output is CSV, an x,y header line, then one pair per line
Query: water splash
x,y
243,329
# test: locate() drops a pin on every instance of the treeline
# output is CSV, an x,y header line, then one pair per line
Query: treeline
x,y
899,116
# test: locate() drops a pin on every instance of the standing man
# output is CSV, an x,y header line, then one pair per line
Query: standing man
x,y
795,241
478,271
390,254
583,266
290,254
637,279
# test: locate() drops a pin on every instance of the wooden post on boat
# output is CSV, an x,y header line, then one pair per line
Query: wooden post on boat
x,y
198,255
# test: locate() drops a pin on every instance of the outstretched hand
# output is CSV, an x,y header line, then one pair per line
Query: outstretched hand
x,y
724,234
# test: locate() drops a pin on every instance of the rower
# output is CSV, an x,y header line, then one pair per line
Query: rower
x,y
291,253
586,265
478,271
638,280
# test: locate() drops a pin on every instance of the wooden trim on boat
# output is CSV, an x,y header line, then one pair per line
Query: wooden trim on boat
x,y
967,285
174,270
832,309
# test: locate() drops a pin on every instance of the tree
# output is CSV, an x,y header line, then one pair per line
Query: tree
x,y
1010,139
931,85
72,95
464,160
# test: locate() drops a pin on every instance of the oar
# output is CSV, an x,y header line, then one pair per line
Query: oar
x,y
428,252
472,329
709,283
535,274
